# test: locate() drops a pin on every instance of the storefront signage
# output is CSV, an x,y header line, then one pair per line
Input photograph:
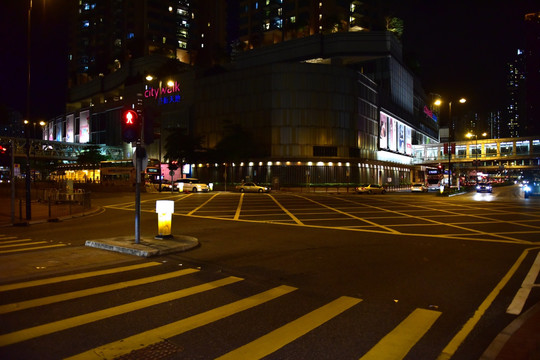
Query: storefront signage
x,y
164,95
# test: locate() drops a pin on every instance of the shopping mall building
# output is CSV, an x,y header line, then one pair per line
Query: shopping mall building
x,y
338,108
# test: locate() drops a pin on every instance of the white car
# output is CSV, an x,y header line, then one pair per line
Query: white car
x,y
191,185
419,187
252,187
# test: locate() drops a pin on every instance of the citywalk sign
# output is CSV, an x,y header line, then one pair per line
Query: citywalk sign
x,y
165,94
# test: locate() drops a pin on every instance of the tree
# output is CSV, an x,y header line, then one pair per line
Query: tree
x,y
91,158
182,147
236,145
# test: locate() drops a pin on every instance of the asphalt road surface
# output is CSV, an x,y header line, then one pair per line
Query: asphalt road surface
x,y
277,276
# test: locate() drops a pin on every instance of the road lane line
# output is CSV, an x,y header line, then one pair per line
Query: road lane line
x,y
150,337
458,339
5,237
14,241
58,279
282,336
31,248
45,329
397,343
518,302
204,203
25,244
286,211
239,207
91,291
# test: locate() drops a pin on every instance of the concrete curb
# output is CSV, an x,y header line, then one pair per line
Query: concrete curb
x,y
147,247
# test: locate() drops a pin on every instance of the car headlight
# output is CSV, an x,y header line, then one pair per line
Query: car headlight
x,y
478,187
526,188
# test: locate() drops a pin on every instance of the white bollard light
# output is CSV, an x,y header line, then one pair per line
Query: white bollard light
x,y
164,209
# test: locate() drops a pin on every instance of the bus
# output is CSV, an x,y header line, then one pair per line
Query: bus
x,y
122,172
434,179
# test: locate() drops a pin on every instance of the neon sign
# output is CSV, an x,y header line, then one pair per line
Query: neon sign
x,y
430,113
162,91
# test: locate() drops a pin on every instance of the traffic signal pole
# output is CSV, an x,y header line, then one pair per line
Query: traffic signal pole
x,y
138,169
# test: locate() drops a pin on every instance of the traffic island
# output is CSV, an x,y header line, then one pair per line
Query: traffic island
x,y
147,247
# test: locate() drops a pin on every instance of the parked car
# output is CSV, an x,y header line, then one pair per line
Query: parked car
x,y
252,187
419,187
484,187
370,189
532,188
191,184
165,186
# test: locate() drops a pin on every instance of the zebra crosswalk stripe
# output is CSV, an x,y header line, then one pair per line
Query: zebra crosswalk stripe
x,y
57,279
40,330
278,338
147,338
91,291
397,343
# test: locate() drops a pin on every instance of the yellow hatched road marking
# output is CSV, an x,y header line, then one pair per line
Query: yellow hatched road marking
x,y
352,216
92,291
40,330
397,343
200,206
5,237
442,223
32,248
286,211
239,207
150,337
278,338
58,279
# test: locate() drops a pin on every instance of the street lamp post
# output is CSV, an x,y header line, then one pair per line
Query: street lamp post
x,y
470,135
438,102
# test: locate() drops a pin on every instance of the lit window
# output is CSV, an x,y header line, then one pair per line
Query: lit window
x,y
170,9
164,40
130,35
280,11
256,5
86,23
293,19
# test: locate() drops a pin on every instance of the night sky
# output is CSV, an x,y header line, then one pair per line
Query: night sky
x,y
458,48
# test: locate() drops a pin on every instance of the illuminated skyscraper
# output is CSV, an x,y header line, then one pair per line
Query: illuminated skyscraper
x,y
532,74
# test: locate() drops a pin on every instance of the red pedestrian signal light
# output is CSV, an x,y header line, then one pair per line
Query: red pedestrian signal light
x,y
131,127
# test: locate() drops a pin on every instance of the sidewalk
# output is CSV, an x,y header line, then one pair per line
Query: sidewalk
x,y
40,212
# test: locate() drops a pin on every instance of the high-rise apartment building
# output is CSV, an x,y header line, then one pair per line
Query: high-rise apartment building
x,y
106,34
515,86
266,22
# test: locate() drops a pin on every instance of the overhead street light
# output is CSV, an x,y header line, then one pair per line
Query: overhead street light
x,y
439,102
470,135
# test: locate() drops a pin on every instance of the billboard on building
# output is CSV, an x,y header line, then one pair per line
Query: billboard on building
x,y
84,126
394,135
383,132
70,128
408,141
59,128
